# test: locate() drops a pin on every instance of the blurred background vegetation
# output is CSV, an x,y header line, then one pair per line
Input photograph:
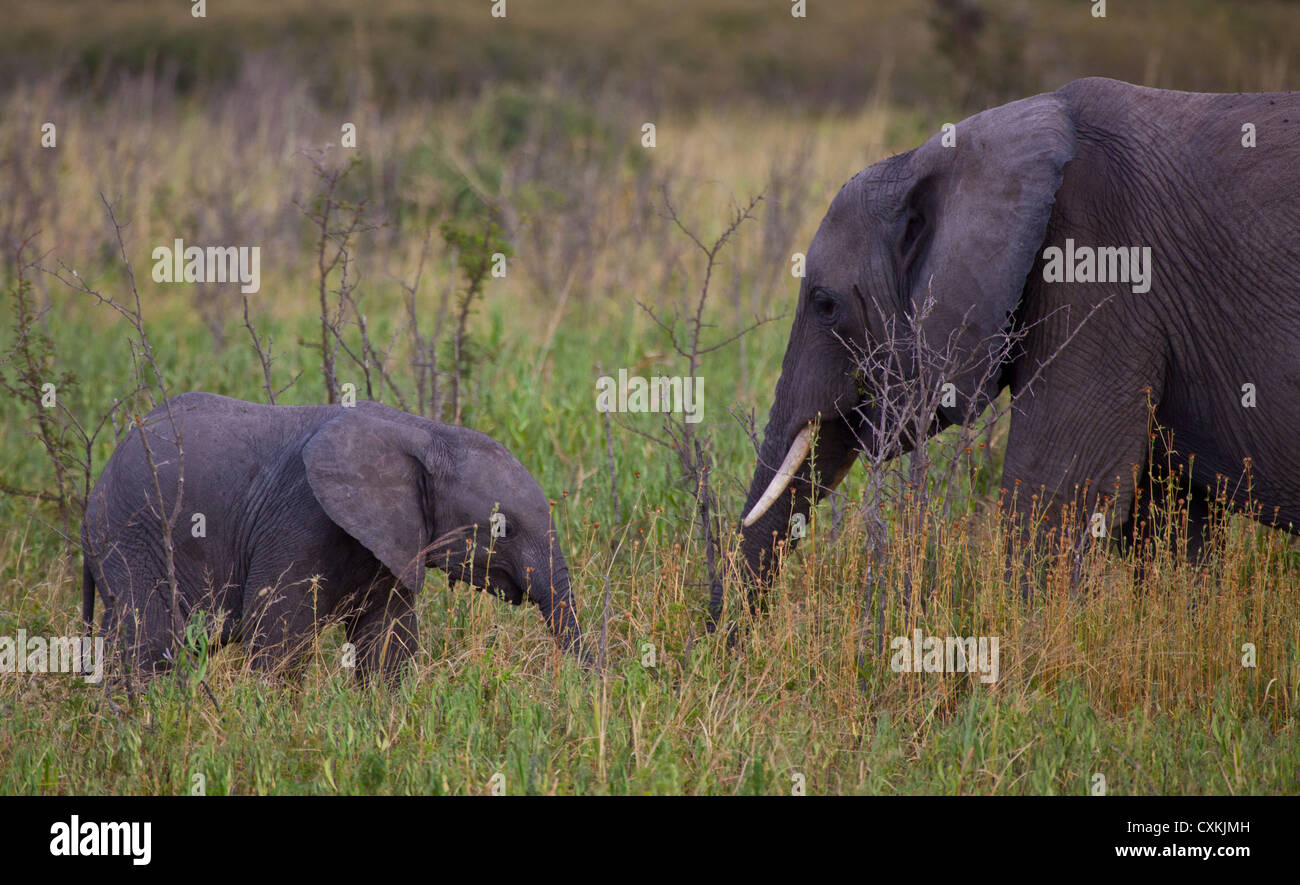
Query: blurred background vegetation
x,y
662,53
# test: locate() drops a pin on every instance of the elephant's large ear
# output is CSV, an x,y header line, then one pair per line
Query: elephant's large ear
x,y
975,220
370,475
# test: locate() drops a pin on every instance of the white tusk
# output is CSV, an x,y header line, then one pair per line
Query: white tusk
x,y
793,458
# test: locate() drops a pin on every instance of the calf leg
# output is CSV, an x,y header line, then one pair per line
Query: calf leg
x,y
280,619
385,633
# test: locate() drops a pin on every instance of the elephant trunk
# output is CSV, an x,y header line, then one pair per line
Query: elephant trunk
x,y
781,493
776,493
558,611
810,435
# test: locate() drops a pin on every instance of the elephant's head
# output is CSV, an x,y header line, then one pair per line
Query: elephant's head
x,y
420,494
911,278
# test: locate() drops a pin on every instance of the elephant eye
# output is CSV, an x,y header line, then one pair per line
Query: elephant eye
x,y
823,304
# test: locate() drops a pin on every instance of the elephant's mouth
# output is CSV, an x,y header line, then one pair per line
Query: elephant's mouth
x,y
483,576
501,584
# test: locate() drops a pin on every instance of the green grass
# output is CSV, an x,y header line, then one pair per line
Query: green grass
x,y
1142,687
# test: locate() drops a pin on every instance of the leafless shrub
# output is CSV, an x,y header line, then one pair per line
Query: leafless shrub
x,y
336,222
263,346
692,448
477,248
424,348
32,359
911,395
150,383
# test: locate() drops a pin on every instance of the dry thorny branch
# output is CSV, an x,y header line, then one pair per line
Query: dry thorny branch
x,y
151,384
337,223
692,448
908,376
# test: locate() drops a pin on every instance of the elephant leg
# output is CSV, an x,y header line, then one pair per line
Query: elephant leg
x,y
141,634
279,619
1198,527
1176,512
136,621
1075,499
141,626
1047,522
1190,511
384,632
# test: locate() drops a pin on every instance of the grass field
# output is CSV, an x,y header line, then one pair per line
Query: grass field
x,y
1140,683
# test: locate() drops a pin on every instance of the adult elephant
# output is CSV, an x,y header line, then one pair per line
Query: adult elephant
x,y
1018,228
291,516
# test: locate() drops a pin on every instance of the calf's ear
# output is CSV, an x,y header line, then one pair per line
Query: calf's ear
x,y
374,478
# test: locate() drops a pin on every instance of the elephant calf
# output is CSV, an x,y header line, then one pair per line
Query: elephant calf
x,y
290,516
